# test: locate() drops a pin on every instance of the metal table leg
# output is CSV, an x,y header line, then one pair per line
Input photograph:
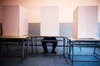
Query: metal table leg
x,y
23,47
64,47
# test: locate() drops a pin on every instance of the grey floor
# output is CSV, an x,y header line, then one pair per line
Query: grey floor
x,y
50,60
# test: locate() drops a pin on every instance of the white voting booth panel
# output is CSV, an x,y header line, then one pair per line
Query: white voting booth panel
x,y
49,21
14,20
86,24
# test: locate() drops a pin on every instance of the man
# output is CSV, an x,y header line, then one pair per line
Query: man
x,y
44,44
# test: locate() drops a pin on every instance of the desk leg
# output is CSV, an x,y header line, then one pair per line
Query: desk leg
x,y
64,47
80,47
72,53
69,49
23,47
32,40
27,47
30,45
7,49
94,49
36,44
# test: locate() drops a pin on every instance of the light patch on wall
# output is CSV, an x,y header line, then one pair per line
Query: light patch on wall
x,y
87,2
65,13
66,7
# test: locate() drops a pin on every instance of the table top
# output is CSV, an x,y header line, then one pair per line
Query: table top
x,y
14,37
57,36
85,39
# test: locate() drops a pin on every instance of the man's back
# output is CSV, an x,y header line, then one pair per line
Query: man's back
x,y
49,38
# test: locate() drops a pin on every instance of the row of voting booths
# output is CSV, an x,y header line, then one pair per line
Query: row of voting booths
x,y
85,21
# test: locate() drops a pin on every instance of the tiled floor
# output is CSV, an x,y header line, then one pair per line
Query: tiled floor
x,y
50,60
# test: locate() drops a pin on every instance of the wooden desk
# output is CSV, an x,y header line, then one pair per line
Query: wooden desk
x,y
20,39
77,42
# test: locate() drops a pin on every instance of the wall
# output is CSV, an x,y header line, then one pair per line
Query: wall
x,y
33,6
66,8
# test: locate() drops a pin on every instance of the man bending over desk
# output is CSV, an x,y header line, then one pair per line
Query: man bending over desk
x,y
49,40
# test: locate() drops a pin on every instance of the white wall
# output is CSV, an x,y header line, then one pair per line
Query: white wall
x,y
66,7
